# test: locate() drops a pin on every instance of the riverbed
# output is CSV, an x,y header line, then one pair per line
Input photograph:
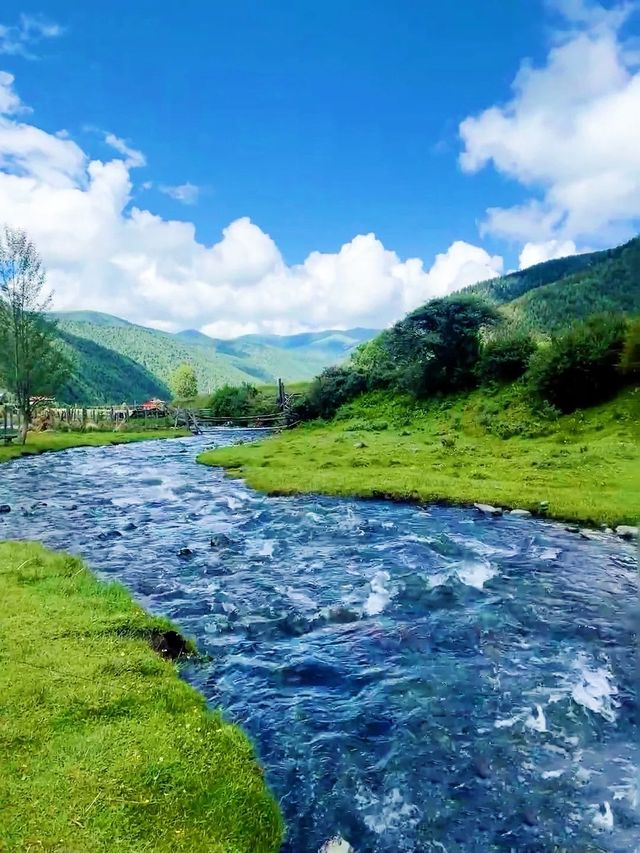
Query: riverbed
x,y
414,679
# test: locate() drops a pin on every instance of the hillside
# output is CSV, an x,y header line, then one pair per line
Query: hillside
x,y
116,360
549,296
102,375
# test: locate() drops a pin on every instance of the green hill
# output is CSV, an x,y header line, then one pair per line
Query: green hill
x,y
116,360
102,375
549,296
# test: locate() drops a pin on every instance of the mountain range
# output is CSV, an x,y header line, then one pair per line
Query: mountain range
x,y
116,360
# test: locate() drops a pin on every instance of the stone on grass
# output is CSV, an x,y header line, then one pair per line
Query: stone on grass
x,y
359,445
487,509
520,513
625,531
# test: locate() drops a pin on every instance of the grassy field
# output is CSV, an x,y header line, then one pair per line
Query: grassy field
x,y
490,447
44,442
102,746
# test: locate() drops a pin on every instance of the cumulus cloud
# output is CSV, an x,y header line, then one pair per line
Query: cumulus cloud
x,y
536,253
105,254
186,193
570,133
19,39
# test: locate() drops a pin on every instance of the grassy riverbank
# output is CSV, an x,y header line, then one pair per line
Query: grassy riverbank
x,y
102,745
44,442
487,446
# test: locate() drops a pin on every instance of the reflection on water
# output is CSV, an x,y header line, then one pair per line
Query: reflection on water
x,y
414,679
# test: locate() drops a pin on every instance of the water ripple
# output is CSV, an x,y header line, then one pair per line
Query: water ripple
x,y
414,680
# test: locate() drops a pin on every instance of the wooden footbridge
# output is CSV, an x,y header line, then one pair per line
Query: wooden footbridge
x,y
281,418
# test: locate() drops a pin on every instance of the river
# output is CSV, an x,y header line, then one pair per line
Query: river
x,y
415,679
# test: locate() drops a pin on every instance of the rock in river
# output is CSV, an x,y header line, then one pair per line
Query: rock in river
x,y
336,845
487,509
4,508
625,531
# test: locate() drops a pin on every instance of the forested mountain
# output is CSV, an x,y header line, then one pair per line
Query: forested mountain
x,y
549,296
116,360
102,375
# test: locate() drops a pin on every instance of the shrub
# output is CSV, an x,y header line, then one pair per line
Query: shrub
x,y
233,401
334,387
630,359
581,367
505,358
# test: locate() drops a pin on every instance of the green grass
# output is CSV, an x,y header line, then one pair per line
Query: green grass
x,y
44,442
102,746
491,447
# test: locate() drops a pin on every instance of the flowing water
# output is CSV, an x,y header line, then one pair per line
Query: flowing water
x,y
414,679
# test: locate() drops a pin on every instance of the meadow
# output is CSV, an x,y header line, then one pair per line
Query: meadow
x,y
102,745
490,446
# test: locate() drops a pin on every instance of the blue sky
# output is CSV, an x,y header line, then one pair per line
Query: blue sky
x,y
321,122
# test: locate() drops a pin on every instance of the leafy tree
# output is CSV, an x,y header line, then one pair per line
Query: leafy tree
x,y
581,367
505,357
436,347
31,360
183,382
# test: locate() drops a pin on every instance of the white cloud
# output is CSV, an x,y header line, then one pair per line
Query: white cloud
x,y
536,253
19,39
133,157
187,193
9,101
104,254
570,133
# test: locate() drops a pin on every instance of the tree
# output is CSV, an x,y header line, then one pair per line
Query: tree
x,y
31,360
436,347
183,382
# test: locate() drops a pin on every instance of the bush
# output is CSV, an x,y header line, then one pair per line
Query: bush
x,y
630,359
505,358
581,367
334,387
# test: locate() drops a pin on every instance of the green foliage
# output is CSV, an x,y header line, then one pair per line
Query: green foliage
x,y
581,367
630,359
435,348
103,746
235,401
505,357
31,360
334,387
183,382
